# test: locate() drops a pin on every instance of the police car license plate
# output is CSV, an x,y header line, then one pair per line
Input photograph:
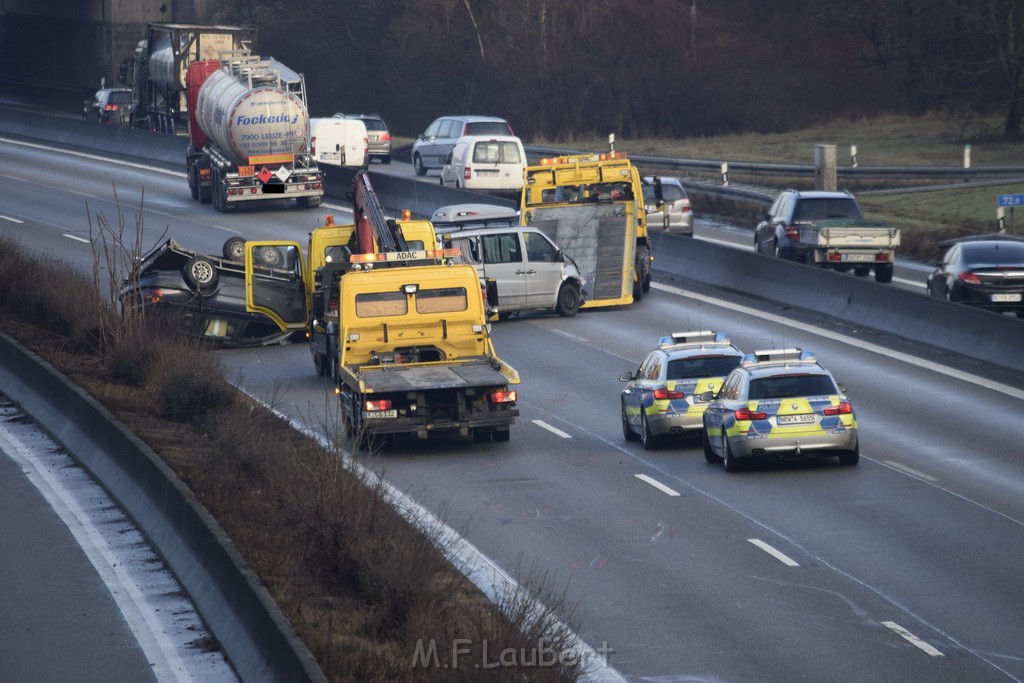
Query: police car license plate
x,y
378,414
858,257
1006,297
794,419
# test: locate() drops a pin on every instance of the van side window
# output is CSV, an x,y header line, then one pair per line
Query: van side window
x,y
539,249
503,248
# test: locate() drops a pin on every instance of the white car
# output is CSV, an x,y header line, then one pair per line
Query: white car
x,y
493,163
671,211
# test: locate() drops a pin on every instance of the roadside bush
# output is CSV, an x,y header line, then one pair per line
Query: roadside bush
x,y
187,383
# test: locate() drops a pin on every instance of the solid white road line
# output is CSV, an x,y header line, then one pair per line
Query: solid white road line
x,y
76,238
656,484
777,554
553,430
912,638
911,471
12,220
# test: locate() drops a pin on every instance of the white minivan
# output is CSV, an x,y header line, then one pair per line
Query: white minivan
x,y
486,162
339,142
521,268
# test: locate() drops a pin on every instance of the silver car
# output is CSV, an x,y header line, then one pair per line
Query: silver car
x,y
671,210
432,146
779,404
664,396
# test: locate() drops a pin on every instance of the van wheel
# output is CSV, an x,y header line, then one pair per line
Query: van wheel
x,y
200,273
883,273
417,165
568,303
234,249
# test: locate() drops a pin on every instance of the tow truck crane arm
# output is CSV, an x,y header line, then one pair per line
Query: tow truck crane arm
x,y
374,233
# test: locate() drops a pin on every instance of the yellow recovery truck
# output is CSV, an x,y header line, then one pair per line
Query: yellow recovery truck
x,y
403,333
592,207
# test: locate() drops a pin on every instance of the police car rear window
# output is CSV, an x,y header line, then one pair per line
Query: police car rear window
x,y
704,366
790,386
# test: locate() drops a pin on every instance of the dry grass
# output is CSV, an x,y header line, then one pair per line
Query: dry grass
x,y
361,585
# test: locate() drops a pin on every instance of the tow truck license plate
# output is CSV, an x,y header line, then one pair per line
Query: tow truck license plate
x,y
1006,297
858,257
378,414
794,419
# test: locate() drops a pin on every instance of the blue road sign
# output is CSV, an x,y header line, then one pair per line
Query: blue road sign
x,y
1011,200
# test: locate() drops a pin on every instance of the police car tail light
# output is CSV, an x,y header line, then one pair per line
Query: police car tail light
x,y
747,414
969,278
378,404
662,393
793,232
844,408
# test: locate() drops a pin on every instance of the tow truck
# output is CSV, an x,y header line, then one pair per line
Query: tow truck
x,y
400,329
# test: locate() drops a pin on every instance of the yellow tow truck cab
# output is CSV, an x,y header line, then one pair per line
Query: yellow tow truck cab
x,y
403,334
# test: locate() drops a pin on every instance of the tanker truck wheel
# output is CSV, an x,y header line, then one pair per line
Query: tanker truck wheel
x,y
193,181
309,202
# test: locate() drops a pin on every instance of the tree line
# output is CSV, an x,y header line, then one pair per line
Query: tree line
x,y
647,68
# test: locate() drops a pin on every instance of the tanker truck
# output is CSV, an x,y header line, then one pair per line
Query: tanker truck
x,y
156,72
248,132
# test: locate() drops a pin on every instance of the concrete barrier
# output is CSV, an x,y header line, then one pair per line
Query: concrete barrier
x,y
257,639
974,333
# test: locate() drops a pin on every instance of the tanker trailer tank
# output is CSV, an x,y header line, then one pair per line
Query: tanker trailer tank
x,y
250,134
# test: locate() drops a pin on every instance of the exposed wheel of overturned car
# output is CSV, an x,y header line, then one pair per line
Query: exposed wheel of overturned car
x,y
234,249
270,256
200,273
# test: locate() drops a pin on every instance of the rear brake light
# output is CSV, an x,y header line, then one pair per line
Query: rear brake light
x,y
882,256
793,232
384,136
507,396
312,145
467,174
110,107
844,408
835,256
378,404
747,414
969,278
662,393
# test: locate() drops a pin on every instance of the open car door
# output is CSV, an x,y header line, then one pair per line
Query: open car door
x,y
275,284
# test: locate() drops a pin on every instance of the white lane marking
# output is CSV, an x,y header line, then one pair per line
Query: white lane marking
x,y
910,470
656,484
777,554
76,238
571,336
553,430
9,218
912,638
856,343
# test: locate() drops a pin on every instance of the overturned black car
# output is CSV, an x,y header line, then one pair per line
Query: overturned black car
x,y
206,294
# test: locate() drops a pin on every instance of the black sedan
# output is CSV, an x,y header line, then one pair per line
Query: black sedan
x,y
205,295
987,273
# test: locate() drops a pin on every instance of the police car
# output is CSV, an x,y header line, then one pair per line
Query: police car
x,y
776,404
663,397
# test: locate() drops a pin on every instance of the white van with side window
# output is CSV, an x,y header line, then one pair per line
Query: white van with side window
x,y
490,163
339,142
521,268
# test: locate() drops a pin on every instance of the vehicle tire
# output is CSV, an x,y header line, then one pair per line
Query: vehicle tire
x,y
200,273
482,434
729,461
234,249
861,271
193,181
627,433
709,455
269,256
205,193
883,273
850,457
638,283
647,437
309,202
386,159
501,434
643,259
323,365
417,165
568,303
